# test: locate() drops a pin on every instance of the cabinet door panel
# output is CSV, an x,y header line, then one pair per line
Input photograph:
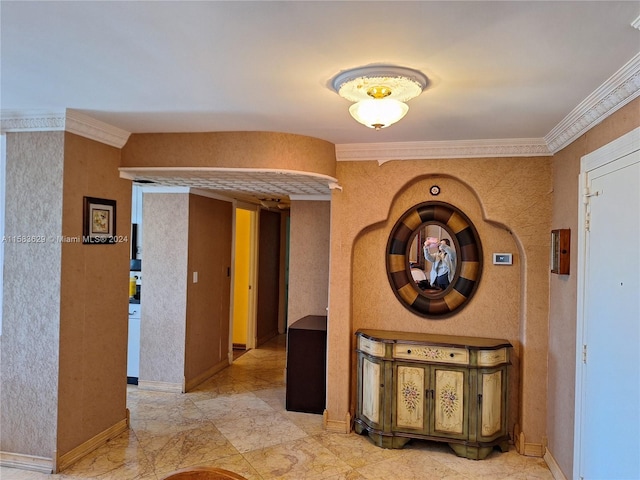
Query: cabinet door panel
x,y
450,391
371,380
492,408
410,399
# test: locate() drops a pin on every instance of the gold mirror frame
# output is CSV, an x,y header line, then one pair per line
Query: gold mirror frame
x,y
446,302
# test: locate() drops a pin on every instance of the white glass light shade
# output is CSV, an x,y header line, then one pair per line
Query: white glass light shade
x,y
378,113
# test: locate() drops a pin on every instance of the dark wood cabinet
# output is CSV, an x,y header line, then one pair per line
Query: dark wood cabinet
x,y
306,365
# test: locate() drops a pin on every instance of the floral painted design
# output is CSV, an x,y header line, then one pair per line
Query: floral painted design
x,y
410,395
430,353
449,400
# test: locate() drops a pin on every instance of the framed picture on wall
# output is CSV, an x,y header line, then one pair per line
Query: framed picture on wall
x,y
99,223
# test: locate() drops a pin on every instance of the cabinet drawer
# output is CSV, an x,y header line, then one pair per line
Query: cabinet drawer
x,y
371,347
427,353
490,358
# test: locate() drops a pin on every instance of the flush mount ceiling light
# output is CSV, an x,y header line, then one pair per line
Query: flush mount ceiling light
x,y
379,93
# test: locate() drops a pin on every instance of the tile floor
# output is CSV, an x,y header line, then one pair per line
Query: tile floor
x,y
237,421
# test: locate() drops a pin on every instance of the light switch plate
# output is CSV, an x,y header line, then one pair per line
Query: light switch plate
x,y
503,259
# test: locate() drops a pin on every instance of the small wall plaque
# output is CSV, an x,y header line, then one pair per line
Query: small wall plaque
x,y
560,241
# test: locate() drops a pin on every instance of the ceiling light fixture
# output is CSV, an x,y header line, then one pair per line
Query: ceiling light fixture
x,y
379,93
270,202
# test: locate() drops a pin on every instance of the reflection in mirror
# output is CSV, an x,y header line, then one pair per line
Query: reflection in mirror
x,y
432,258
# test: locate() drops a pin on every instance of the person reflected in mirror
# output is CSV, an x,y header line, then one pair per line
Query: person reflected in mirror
x,y
443,262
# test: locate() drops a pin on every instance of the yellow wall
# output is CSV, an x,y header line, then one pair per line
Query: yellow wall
x,y
241,280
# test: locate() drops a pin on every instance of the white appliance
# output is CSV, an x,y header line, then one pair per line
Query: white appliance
x,y
133,350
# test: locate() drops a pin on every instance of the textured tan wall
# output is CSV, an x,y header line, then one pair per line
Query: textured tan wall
x,y
65,314
165,222
493,311
208,300
309,254
509,201
270,261
231,149
94,299
563,293
31,310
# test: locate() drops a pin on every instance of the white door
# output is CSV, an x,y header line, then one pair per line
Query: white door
x,y
608,434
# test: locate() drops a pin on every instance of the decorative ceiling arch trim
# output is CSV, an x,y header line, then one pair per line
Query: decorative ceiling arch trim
x,y
318,198
261,182
130,172
69,120
620,89
385,152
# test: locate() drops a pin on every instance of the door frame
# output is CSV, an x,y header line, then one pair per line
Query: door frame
x,y
611,152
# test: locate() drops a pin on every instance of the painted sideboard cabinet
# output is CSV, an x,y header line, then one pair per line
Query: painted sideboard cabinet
x,y
433,387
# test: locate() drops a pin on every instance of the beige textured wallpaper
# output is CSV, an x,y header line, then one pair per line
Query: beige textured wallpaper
x,y
164,287
94,299
208,300
509,201
31,309
231,149
309,254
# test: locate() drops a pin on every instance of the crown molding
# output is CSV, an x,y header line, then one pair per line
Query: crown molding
x,y
68,120
31,121
88,127
620,89
385,152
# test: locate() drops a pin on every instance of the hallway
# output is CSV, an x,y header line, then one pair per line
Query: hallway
x,y
237,421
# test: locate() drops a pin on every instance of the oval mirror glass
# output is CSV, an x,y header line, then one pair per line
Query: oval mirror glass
x,y
434,259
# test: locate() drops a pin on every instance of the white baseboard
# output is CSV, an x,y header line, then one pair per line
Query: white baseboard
x,y
26,462
553,466
90,445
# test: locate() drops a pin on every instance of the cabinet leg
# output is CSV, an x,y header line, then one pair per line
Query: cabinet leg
x,y
474,453
386,441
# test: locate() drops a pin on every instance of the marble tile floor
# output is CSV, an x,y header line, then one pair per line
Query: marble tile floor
x,y
237,421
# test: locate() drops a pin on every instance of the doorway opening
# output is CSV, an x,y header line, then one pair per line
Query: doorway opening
x,y
243,323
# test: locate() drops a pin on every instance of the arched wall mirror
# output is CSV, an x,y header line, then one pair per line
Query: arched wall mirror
x,y
434,259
